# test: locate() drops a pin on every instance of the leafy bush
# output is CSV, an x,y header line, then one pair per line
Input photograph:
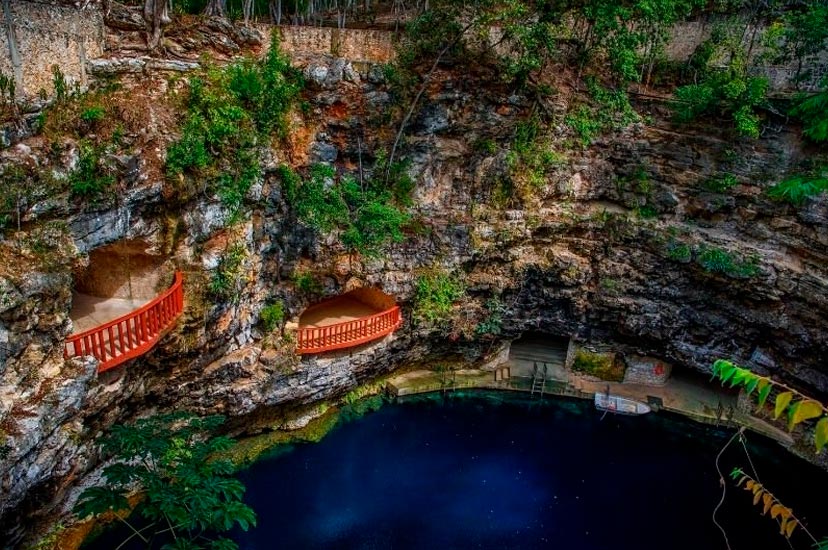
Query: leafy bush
x,y
600,365
369,214
813,112
307,282
718,260
229,112
493,323
797,189
59,84
94,113
610,110
435,295
92,178
272,316
189,494
226,280
728,92
679,251
531,155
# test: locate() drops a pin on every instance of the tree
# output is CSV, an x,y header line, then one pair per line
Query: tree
x,y
216,7
156,15
189,495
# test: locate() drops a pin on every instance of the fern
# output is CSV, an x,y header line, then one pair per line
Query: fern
x,y
813,112
797,189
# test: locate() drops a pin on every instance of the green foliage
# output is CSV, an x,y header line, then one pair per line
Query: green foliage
x,y
230,112
629,34
368,214
92,177
8,90
610,110
188,492
307,282
813,112
267,88
800,36
435,296
226,281
272,316
728,92
94,113
15,191
600,365
797,189
531,155
720,183
59,84
718,260
679,251
493,323
799,407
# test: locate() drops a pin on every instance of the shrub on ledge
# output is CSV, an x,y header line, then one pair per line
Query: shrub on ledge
x,y
599,365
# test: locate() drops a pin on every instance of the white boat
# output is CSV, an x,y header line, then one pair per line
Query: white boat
x,y
620,405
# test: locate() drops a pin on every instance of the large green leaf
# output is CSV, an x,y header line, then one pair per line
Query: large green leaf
x,y
821,434
726,372
782,401
764,387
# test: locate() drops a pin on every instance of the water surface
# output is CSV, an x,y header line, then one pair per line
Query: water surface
x,y
500,471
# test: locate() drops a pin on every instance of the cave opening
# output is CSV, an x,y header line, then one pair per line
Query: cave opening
x,y
119,278
350,319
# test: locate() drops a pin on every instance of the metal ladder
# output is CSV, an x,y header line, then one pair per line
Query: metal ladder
x,y
538,379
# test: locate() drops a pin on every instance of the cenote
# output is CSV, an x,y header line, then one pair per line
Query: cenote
x,y
500,470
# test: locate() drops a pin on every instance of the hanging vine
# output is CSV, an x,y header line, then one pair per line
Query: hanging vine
x,y
800,407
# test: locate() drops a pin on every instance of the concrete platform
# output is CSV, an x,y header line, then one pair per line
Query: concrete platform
x,y
90,311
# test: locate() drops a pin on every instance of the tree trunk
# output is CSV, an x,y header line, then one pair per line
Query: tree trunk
x,y
155,16
247,8
276,11
216,7
14,52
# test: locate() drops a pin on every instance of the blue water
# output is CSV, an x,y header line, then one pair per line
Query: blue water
x,y
502,471
487,472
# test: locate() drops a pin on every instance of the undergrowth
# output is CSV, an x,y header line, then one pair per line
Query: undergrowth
x,y
230,112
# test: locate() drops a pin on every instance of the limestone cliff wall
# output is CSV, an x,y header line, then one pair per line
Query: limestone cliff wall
x,y
571,256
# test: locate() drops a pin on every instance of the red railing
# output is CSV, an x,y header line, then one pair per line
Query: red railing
x,y
349,333
132,334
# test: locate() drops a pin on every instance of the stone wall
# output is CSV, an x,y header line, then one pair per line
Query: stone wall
x,y
360,45
48,35
686,36
649,371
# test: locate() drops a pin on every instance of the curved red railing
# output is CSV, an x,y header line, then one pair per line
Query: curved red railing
x,y
349,333
132,334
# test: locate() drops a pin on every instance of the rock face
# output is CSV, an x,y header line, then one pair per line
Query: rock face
x,y
609,247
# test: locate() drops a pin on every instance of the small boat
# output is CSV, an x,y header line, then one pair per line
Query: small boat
x,y
619,405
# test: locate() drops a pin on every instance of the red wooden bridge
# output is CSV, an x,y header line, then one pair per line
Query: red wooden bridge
x,y
132,334
349,333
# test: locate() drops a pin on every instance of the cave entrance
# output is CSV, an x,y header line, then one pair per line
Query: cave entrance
x,y
348,320
536,348
120,278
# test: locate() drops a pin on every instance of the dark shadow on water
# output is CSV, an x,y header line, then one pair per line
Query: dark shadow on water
x,y
500,470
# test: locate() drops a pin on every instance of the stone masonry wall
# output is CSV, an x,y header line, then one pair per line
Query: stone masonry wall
x,y
49,35
367,46
649,371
